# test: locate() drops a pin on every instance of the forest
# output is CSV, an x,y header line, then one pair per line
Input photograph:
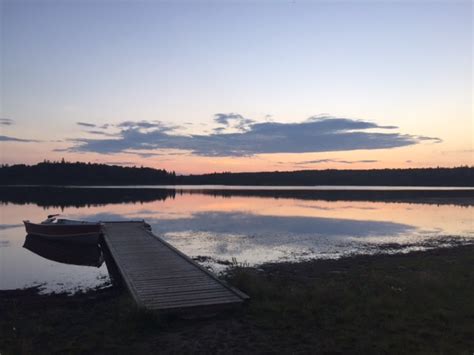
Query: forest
x,y
87,174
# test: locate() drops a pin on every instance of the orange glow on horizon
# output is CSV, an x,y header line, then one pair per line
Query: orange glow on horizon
x,y
423,155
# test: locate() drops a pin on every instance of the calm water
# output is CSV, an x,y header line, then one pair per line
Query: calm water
x,y
249,225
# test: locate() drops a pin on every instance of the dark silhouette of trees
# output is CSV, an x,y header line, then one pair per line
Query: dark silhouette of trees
x,y
65,173
460,176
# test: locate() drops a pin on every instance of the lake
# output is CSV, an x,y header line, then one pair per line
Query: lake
x,y
217,225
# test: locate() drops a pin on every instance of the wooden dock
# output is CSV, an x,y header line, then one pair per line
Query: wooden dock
x,y
159,276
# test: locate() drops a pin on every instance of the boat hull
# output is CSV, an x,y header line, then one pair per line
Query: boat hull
x,y
72,233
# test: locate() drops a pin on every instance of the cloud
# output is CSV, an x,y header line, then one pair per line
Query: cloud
x,y
92,128
432,139
320,161
145,154
468,151
85,124
232,121
317,134
126,163
6,121
226,118
102,133
140,125
13,139
365,161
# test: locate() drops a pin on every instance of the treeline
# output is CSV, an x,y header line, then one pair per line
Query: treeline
x,y
461,176
64,173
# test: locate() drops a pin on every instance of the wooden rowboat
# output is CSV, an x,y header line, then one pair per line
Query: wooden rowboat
x,y
66,230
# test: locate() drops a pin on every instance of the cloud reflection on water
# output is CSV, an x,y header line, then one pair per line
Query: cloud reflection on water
x,y
10,226
257,238
253,229
240,223
264,229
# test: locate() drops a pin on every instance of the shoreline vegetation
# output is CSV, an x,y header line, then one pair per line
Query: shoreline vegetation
x,y
420,302
88,174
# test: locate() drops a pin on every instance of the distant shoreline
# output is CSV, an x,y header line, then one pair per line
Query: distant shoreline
x,y
87,174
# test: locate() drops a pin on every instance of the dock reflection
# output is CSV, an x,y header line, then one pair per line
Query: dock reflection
x,y
65,253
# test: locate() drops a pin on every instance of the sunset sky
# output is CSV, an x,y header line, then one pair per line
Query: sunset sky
x,y
204,86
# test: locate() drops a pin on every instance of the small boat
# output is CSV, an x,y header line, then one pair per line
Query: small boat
x,y
66,230
66,253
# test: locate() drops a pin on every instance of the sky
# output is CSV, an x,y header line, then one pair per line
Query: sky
x,y
210,86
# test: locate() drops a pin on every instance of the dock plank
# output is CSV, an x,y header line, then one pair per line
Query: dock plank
x,y
161,277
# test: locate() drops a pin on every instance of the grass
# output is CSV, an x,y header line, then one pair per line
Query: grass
x,y
420,302
415,303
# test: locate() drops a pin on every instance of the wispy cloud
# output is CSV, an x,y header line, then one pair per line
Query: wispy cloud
x,y
432,139
317,134
6,121
102,133
125,163
144,154
102,130
147,125
85,124
468,151
147,154
364,161
13,139
232,122
322,161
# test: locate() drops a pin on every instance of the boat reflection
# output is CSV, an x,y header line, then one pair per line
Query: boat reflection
x,y
73,254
